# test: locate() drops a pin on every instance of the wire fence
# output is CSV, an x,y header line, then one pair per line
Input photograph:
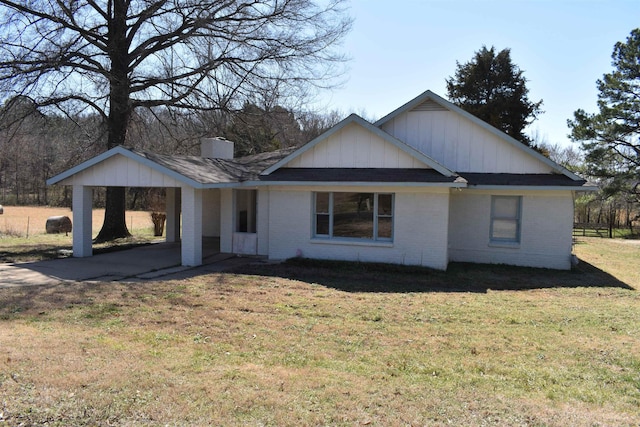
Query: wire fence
x,y
27,222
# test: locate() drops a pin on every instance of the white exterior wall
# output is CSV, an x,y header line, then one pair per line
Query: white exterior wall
x,y
546,229
459,144
355,147
211,213
420,229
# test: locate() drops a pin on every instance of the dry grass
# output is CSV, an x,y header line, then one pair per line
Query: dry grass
x,y
23,234
620,257
18,220
331,344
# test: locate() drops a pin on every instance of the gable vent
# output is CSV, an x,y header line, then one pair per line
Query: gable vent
x,y
429,105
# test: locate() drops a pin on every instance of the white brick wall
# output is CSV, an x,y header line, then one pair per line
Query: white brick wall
x,y
420,235
421,228
546,231
431,228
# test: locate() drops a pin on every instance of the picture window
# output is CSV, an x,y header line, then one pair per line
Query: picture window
x,y
361,216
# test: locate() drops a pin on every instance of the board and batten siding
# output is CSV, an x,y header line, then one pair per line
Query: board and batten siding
x,y
420,228
355,147
546,229
121,171
459,144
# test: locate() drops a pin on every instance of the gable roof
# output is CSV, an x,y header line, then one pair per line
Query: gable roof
x,y
354,118
430,96
196,171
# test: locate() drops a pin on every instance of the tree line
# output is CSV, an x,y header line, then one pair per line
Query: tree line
x,y
35,146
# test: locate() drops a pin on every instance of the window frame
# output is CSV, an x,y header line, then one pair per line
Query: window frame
x,y
517,219
375,216
328,214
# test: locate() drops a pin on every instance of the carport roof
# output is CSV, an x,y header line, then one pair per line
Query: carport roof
x,y
196,171
217,171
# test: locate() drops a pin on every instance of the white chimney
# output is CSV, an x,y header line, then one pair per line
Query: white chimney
x,y
216,148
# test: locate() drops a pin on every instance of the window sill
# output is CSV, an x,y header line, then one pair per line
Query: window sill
x,y
510,245
348,242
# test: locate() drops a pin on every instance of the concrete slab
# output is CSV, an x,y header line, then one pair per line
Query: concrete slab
x,y
151,262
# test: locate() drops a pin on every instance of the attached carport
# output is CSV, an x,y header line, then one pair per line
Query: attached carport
x,y
190,182
121,167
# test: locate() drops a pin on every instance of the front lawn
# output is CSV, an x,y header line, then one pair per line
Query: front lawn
x,y
307,343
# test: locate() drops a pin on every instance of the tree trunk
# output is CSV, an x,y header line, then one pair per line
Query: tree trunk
x,y
611,220
114,216
114,225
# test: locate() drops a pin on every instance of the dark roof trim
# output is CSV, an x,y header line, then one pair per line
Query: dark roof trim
x,y
523,180
347,175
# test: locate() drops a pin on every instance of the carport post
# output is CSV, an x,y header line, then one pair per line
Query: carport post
x,y
82,216
172,202
191,226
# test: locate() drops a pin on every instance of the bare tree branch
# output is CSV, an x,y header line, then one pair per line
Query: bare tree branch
x,y
116,56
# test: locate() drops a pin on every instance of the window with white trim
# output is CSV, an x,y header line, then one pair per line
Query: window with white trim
x,y
351,216
505,219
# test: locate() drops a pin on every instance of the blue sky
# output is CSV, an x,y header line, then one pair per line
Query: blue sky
x,y
401,48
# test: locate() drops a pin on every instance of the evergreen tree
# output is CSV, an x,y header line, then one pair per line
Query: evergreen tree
x,y
494,89
611,137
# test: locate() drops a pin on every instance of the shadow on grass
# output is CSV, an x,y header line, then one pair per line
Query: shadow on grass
x,y
20,253
106,297
459,277
40,299
43,252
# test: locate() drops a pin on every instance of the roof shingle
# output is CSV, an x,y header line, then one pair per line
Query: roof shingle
x,y
217,171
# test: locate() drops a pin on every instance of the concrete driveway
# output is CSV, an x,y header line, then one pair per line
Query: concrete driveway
x,y
151,262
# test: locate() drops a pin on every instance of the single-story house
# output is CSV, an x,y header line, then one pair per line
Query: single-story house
x,y
426,185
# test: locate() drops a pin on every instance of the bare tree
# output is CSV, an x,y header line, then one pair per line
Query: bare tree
x,y
33,146
112,57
